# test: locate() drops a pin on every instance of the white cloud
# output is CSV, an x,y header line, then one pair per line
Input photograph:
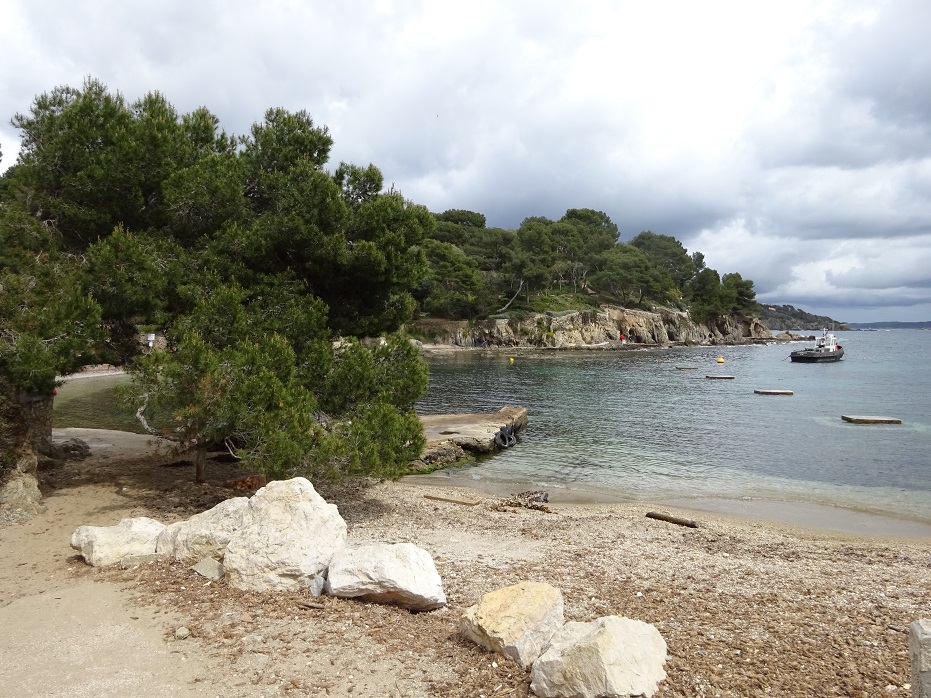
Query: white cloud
x,y
788,141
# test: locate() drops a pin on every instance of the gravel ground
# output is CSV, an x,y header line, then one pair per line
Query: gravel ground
x,y
746,608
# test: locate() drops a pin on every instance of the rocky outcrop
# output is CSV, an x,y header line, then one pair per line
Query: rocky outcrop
x,y
602,328
517,621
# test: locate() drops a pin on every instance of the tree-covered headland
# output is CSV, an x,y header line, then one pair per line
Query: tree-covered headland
x,y
577,261
281,287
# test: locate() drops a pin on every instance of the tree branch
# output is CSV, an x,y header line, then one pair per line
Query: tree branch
x,y
507,305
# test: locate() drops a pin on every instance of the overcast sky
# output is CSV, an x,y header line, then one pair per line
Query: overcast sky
x,y
788,141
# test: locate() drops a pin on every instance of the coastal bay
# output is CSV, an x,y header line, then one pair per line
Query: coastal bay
x,y
628,426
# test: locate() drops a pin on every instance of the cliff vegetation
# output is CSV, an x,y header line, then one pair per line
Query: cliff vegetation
x,y
788,317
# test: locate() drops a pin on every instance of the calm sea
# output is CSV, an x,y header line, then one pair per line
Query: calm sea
x,y
632,425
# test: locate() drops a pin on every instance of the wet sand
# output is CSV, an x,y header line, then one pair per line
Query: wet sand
x,y
821,518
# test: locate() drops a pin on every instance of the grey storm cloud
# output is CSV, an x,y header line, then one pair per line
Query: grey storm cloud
x,y
788,141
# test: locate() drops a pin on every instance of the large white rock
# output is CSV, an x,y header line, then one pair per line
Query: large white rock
x,y
919,647
287,539
606,658
399,573
205,534
105,545
516,621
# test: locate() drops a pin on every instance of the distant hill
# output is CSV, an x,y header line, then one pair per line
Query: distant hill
x,y
788,317
890,325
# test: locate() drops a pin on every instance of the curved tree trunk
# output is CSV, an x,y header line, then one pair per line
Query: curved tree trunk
x,y
508,304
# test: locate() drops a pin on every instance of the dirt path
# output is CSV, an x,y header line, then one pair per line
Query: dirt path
x,y
67,633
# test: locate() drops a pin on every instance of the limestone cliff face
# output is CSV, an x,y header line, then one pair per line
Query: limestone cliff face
x,y
593,328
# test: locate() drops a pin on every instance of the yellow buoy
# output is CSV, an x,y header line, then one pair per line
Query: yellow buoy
x,y
720,359
512,359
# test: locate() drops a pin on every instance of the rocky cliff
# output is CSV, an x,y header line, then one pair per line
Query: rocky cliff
x,y
591,328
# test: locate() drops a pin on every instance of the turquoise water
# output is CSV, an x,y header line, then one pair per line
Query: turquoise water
x,y
631,425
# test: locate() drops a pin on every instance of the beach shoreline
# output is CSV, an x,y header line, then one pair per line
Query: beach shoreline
x,y
800,516
746,607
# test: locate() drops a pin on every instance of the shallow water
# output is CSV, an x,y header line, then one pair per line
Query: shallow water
x,y
632,425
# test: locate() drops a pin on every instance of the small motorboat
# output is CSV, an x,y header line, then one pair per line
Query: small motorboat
x,y
826,349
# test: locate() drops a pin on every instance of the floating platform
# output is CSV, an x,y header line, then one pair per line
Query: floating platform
x,y
721,378
686,368
774,392
853,419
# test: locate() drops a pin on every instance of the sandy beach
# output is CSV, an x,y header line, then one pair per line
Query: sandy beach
x,y
747,606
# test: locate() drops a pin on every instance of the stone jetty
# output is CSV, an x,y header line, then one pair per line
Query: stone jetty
x,y
451,436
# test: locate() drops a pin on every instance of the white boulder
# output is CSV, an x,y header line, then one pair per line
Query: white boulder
x,y
606,658
205,534
106,545
400,574
288,537
516,621
919,646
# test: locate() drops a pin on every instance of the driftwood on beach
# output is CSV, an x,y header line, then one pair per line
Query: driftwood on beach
x,y
672,519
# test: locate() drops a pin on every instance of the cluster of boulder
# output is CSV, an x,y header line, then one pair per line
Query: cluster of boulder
x,y
607,657
287,537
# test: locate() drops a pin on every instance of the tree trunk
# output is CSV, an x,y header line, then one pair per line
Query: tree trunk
x,y
200,464
28,422
506,305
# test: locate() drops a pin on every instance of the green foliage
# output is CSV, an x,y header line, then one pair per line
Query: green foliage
x,y
668,256
741,294
89,161
708,300
553,302
48,323
131,274
243,251
387,372
454,287
358,184
625,272
462,218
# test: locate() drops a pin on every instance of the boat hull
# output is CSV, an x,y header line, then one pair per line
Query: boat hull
x,y
809,356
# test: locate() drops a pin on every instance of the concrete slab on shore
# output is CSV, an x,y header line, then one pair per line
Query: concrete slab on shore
x,y
472,432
